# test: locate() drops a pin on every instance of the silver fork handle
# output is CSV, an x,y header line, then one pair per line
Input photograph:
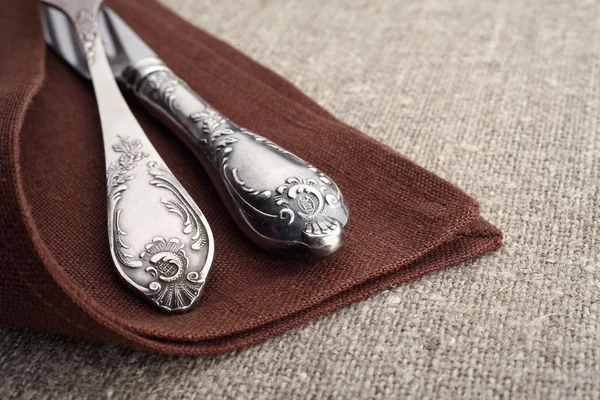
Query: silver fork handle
x,y
160,242
277,199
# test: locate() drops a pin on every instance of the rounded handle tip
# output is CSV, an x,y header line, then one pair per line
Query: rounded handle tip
x,y
323,245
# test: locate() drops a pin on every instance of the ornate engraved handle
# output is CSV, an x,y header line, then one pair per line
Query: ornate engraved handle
x,y
279,201
160,242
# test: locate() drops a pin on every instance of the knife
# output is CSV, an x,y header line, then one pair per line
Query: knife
x,y
279,201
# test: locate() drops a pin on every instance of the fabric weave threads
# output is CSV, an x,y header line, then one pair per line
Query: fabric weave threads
x,y
498,97
405,221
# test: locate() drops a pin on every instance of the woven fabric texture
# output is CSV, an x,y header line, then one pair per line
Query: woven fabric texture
x,y
407,221
498,98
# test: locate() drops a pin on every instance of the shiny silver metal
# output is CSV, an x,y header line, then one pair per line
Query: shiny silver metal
x,y
160,242
279,200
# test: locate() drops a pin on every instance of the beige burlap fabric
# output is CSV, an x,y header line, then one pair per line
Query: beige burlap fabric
x,y
502,99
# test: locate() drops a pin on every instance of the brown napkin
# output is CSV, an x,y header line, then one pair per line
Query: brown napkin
x,y
55,271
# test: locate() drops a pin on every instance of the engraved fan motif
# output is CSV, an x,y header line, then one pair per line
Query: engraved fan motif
x,y
168,263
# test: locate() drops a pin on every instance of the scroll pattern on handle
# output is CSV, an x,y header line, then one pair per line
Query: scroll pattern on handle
x,y
164,260
304,206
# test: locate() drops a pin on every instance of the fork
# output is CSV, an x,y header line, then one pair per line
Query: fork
x,y
160,242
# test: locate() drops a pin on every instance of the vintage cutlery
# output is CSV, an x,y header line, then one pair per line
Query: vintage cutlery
x,y
160,242
278,200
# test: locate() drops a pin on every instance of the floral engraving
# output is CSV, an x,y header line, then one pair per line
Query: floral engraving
x,y
117,175
87,29
309,201
189,214
160,86
168,263
305,198
172,286
216,139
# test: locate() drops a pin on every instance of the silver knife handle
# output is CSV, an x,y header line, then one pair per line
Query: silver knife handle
x,y
278,200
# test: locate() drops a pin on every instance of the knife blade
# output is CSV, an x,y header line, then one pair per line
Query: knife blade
x,y
121,44
279,201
